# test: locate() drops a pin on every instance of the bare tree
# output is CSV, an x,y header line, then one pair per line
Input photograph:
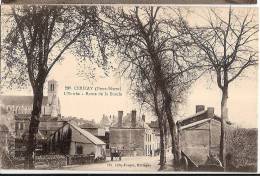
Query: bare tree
x,y
37,39
154,54
227,45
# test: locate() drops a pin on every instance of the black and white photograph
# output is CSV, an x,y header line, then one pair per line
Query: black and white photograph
x,y
129,88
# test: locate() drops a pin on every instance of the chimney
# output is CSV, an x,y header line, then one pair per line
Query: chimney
x,y
210,111
120,118
143,117
200,108
133,118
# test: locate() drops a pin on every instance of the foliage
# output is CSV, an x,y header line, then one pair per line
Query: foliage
x,y
242,145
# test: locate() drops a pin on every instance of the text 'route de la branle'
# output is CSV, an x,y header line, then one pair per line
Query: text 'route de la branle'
x,y
92,90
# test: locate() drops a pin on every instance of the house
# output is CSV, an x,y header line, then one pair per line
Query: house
x,y
97,131
154,125
133,136
199,134
70,139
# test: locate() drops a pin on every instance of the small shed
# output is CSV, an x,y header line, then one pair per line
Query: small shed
x,y
72,140
199,135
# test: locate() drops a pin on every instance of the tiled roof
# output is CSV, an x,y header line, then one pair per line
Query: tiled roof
x,y
20,100
88,135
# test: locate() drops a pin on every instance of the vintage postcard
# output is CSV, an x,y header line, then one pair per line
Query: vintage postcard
x,y
129,88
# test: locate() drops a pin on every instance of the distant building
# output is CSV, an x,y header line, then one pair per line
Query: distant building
x,y
24,104
133,136
154,125
199,134
77,121
72,140
6,140
16,114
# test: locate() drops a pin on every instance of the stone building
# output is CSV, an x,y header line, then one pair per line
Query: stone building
x,y
154,125
199,134
23,104
133,136
70,139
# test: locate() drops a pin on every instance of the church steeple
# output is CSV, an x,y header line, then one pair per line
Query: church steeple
x,y
52,90
53,100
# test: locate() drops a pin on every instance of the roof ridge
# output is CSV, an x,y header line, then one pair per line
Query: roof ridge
x,y
91,137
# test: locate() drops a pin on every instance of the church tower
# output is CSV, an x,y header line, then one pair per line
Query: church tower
x,y
52,90
53,100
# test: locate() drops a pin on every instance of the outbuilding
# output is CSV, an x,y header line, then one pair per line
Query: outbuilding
x,y
199,135
72,140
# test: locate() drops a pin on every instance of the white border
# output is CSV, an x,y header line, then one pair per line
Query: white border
x,y
13,171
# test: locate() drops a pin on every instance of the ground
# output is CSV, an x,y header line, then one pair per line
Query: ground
x,y
127,164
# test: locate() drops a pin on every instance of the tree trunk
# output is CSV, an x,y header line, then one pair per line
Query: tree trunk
x,y
173,131
223,125
33,127
165,137
162,143
167,107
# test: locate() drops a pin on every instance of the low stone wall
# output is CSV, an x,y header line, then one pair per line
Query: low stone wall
x,y
52,161
80,159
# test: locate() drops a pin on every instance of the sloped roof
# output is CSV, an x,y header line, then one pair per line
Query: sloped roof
x,y
88,125
43,118
20,100
22,116
4,128
88,135
197,118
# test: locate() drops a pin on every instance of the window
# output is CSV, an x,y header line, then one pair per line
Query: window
x,y
52,87
79,150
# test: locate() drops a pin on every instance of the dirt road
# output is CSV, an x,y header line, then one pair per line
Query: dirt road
x,y
127,164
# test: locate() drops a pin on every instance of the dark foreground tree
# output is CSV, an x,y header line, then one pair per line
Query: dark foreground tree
x,y
228,46
36,38
153,52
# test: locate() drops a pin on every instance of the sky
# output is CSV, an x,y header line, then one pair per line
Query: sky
x,y
242,101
